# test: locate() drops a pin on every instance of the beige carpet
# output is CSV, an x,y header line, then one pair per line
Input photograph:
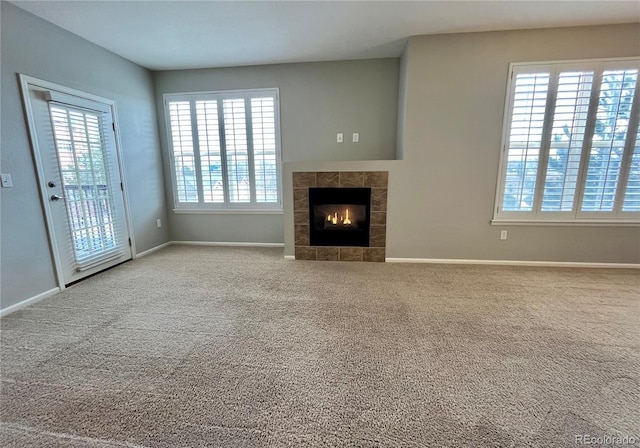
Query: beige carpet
x,y
231,347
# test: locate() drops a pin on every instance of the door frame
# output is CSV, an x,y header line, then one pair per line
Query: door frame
x,y
27,81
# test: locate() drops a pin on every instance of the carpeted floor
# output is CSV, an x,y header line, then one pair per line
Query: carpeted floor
x,y
232,347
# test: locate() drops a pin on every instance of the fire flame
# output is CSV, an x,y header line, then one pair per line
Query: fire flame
x,y
334,219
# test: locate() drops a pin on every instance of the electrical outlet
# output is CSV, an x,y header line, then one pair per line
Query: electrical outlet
x,y
356,137
340,137
6,180
158,223
503,235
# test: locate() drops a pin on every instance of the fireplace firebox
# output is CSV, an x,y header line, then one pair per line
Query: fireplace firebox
x,y
339,216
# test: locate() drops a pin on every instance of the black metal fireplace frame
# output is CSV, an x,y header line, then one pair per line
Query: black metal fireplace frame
x,y
328,237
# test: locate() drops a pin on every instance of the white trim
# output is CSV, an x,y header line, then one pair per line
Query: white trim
x,y
289,257
506,118
183,96
559,264
153,249
207,243
226,211
123,179
577,61
25,81
573,223
29,301
226,244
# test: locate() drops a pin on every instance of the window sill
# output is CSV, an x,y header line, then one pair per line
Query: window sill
x,y
187,211
573,222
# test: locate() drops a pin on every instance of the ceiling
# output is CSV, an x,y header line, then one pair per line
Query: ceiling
x,y
164,35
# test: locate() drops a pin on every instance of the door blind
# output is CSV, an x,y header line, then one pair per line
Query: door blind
x,y
84,164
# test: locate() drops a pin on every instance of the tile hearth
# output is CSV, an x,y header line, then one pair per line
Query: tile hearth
x,y
376,180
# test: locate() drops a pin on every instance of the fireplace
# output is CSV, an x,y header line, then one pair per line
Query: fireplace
x,y
339,216
359,212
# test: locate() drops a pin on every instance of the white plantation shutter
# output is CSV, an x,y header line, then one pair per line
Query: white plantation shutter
x,y
612,124
263,125
525,139
210,152
233,149
632,195
569,136
235,132
183,151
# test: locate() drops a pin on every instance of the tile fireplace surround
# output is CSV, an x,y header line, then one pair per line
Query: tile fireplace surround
x,y
376,180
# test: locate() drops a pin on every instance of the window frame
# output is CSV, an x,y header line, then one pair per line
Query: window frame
x,y
227,206
576,216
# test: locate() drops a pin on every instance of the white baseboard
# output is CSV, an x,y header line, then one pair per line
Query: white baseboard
x,y
29,301
227,244
153,249
206,243
558,264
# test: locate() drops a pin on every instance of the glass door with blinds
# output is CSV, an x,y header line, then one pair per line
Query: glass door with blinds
x,y
75,150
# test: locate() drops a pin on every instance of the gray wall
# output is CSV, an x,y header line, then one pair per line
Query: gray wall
x,y
456,87
317,100
37,48
441,195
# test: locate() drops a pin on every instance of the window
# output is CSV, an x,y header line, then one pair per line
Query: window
x,y
571,145
225,149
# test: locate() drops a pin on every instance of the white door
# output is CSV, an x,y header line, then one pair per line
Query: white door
x,y
74,146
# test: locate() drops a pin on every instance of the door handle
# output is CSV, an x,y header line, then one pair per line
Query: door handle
x,y
55,197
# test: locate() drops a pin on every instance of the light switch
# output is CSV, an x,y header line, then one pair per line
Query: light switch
x,y
356,137
6,180
340,137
